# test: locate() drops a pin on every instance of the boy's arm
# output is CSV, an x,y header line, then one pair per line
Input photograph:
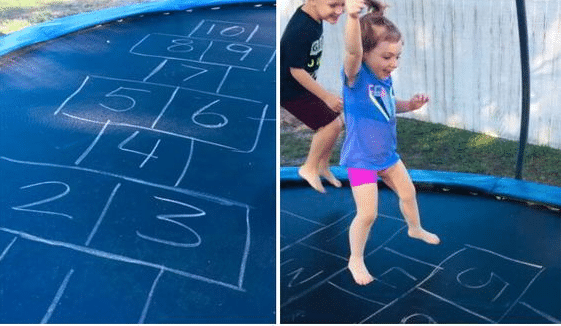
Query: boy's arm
x,y
303,77
415,103
353,42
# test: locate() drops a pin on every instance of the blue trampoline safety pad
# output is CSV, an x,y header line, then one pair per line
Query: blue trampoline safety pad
x,y
506,187
52,29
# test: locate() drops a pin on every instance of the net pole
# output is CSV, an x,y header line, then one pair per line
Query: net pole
x,y
525,65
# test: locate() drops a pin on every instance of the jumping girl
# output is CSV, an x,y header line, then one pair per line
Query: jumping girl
x,y
373,46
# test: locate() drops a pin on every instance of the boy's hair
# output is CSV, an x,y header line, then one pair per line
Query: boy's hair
x,y
376,28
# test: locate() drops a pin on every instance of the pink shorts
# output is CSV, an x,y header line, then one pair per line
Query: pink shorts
x,y
359,177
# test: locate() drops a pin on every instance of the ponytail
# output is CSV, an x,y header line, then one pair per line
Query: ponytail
x,y
376,27
376,8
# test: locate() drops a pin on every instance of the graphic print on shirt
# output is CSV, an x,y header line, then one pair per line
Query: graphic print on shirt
x,y
315,57
379,96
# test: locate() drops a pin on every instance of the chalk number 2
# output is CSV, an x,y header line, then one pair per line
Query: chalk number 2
x,y
65,189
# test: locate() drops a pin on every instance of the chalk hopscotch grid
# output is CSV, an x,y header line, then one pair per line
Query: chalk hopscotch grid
x,y
238,287
159,67
108,255
418,286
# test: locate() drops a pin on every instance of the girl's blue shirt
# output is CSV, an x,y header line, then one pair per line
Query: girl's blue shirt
x,y
370,120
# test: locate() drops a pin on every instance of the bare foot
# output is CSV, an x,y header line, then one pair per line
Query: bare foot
x,y
359,271
421,234
313,179
331,178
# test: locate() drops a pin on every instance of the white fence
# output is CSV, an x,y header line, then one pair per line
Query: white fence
x,y
466,55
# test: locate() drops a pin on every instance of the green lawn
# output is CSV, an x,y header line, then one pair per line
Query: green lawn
x,y
18,14
429,146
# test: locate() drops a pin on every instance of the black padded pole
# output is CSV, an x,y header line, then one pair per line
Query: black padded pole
x,y
525,64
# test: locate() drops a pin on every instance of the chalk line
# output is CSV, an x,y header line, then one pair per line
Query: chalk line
x,y
57,297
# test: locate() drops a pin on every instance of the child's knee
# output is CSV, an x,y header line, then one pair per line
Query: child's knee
x,y
409,194
366,217
339,124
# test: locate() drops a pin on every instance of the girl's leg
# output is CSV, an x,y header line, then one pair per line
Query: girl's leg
x,y
322,144
397,178
366,199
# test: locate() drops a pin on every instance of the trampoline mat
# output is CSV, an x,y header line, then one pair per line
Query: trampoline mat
x,y
138,172
498,262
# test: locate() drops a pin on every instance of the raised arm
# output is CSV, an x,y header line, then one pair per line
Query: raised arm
x,y
353,42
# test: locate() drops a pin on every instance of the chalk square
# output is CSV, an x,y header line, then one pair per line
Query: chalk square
x,y
295,227
229,122
51,203
394,274
181,300
103,291
141,154
481,281
44,282
193,75
225,31
316,206
125,102
168,46
240,55
303,268
237,81
328,304
524,313
422,308
179,230
30,275
335,237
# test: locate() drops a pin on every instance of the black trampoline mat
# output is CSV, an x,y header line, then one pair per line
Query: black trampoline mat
x,y
499,261
137,161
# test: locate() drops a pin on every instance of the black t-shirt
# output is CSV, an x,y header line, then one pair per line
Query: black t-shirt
x,y
300,47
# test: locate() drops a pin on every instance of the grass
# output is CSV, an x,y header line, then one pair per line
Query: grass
x,y
18,14
429,146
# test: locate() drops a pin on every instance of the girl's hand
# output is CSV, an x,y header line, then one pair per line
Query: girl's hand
x,y
417,101
354,7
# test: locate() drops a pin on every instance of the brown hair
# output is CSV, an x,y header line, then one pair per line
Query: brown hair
x,y
376,28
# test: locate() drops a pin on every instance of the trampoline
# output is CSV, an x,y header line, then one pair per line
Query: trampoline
x,y
137,166
499,260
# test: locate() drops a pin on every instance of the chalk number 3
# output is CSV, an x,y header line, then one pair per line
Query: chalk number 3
x,y
171,218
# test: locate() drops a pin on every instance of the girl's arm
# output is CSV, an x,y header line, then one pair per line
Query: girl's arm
x,y
415,103
353,42
303,77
